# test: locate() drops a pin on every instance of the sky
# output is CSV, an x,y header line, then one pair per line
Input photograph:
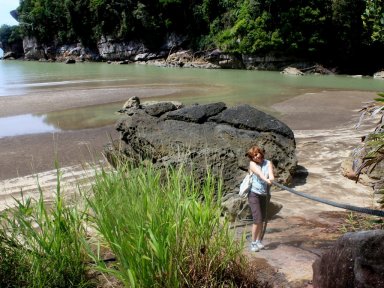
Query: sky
x,y
5,18
5,7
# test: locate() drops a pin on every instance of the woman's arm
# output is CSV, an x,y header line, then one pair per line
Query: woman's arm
x,y
255,169
271,176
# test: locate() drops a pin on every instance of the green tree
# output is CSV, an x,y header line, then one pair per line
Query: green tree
x,y
9,36
44,19
305,27
347,33
5,34
373,20
295,27
310,29
81,22
247,29
110,15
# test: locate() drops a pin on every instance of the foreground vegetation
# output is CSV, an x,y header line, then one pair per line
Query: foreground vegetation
x,y
41,245
158,229
355,222
345,33
374,144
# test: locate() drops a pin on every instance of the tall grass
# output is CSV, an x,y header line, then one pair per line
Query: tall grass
x,y
164,228
42,245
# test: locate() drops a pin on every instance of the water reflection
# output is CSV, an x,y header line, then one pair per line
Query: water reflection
x,y
24,124
84,118
71,119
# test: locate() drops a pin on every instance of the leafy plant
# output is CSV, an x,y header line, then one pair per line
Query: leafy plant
x,y
9,35
165,229
42,246
373,19
360,222
374,144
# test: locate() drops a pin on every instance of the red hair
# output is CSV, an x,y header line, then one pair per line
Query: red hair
x,y
253,151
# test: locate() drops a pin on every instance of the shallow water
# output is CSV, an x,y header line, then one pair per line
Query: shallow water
x,y
259,88
24,124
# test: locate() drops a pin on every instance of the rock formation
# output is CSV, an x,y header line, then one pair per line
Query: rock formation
x,y
379,75
199,137
356,260
292,71
208,135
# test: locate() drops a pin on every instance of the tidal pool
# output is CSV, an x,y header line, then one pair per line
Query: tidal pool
x,y
25,124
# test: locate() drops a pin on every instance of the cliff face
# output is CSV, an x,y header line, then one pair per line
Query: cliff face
x,y
15,50
170,53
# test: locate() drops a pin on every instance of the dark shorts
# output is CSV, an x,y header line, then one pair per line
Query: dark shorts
x,y
257,203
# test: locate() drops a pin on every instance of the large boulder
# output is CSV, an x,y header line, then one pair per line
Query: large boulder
x,y
210,136
9,55
356,260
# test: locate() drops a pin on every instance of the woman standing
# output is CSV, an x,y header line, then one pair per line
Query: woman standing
x,y
262,177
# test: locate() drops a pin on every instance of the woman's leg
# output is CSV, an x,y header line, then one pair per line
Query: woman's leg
x,y
256,231
257,227
263,201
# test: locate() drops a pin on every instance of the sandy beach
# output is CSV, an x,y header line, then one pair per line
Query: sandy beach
x,y
323,126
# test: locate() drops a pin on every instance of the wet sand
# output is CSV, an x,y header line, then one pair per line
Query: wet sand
x,y
323,126
44,102
30,154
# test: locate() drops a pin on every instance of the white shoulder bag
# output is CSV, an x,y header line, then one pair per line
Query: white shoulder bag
x,y
246,185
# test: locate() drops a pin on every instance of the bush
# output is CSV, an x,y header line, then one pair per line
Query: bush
x,y
164,229
42,246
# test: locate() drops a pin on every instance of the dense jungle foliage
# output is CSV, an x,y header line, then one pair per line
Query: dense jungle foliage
x,y
330,31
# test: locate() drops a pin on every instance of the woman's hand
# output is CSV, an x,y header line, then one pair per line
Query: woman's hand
x,y
256,169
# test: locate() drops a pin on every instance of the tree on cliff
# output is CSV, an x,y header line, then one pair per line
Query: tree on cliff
x,y
9,36
373,19
337,31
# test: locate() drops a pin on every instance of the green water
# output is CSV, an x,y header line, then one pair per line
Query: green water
x,y
259,88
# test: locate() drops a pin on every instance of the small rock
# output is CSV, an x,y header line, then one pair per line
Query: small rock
x,y
133,102
379,75
292,71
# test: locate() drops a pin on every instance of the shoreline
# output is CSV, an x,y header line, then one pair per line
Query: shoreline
x,y
310,67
